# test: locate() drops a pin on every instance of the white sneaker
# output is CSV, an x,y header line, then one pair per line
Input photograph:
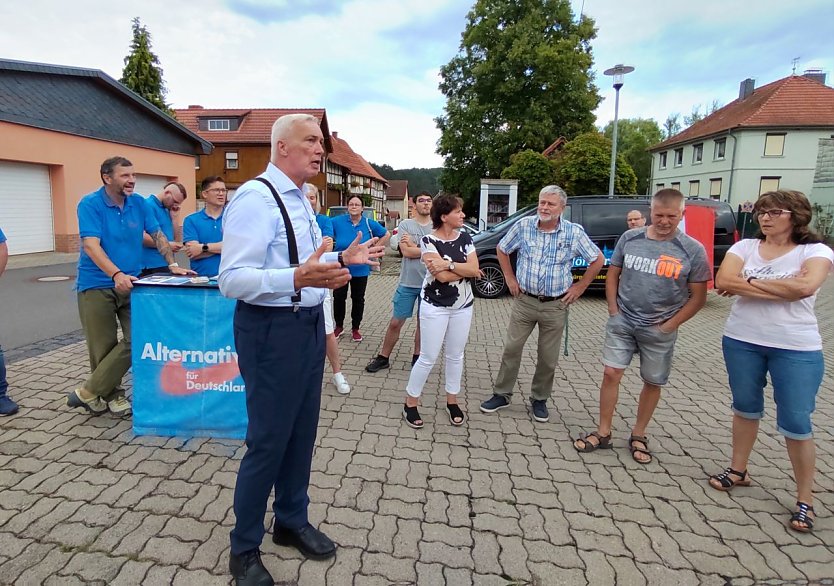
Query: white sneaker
x,y
340,382
119,406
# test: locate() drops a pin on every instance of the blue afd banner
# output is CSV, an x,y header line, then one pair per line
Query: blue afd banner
x,y
186,380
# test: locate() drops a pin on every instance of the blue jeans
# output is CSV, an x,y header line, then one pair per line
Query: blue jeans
x,y
4,385
796,376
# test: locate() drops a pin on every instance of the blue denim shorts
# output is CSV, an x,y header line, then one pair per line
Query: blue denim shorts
x,y
623,339
796,376
404,300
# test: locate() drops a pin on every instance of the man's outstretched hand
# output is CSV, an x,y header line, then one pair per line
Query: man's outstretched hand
x,y
315,273
363,253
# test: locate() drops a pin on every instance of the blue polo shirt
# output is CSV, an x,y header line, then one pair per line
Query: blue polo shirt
x,y
2,236
344,233
325,225
151,258
201,227
119,231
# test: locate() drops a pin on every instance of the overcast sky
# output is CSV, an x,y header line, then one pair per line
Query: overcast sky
x,y
373,64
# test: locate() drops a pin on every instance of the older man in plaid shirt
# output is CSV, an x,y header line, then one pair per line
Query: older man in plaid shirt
x,y
543,288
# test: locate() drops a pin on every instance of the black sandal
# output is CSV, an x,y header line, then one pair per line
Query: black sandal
x,y
412,417
637,450
801,516
455,413
728,483
603,443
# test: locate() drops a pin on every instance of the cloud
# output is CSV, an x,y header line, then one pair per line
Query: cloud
x,y
383,133
373,64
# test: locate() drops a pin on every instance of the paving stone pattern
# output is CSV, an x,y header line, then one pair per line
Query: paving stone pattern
x,y
500,500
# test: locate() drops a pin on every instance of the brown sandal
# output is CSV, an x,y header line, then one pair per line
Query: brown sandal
x,y
639,439
603,443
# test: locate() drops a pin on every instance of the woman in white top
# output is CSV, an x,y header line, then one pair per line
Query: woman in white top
x,y
445,305
772,329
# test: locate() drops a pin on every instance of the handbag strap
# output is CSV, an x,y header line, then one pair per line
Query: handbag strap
x,y
292,245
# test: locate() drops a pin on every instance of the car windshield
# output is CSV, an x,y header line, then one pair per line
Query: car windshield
x,y
511,218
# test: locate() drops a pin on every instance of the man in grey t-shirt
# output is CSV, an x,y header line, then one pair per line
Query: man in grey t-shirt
x,y
412,271
657,280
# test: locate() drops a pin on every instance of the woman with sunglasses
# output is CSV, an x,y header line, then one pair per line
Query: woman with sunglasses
x,y
772,329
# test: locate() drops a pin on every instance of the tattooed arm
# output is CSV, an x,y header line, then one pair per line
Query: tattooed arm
x,y
164,248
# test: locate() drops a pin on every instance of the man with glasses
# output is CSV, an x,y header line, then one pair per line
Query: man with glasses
x,y
163,208
412,272
202,231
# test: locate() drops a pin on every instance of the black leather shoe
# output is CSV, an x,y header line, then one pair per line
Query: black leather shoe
x,y
311,542
248,570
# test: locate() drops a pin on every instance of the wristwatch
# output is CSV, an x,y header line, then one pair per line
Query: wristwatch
x,y
205,247
451,266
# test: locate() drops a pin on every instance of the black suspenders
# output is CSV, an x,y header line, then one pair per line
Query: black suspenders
x,y
291,243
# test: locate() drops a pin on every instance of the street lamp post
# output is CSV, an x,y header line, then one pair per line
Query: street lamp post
x,y
617,72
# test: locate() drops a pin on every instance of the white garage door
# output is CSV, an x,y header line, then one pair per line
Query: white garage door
x,y
26,207
149,184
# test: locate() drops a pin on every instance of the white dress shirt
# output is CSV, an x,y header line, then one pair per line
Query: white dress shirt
x,y
255,264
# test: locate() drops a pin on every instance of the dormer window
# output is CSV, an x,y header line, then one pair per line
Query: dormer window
x,y
219,124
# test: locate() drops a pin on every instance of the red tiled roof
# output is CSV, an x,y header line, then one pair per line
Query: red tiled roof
x,y
255,126
346,157
794,101
397,189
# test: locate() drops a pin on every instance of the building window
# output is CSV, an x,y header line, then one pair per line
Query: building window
x,y
676,185
697,153
223,124
231,160
715,188
694,188
768,184
720,148
663,160
678,157
660,186
774,145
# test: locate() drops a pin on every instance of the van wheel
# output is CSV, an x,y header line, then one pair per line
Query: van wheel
x,y
493,284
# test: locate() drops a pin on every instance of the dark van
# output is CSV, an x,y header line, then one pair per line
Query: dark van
x,y
604,219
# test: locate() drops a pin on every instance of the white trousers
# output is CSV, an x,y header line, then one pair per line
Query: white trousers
x,y
439,325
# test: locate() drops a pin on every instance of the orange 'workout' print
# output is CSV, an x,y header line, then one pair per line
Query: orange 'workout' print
x,y
666,266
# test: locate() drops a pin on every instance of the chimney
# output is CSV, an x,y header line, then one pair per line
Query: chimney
x,y
334,134
815,74
194,107
745,88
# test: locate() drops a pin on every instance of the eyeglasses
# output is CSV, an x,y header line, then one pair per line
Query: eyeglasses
x,y
218,191
771,213
423,201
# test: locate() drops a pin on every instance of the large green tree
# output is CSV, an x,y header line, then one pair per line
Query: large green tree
x,y
522,77
634,137
142,72
533,171
584,166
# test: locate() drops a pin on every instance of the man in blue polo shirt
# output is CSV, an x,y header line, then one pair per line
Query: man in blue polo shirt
x,y
162,207
7,406
202,231
111,222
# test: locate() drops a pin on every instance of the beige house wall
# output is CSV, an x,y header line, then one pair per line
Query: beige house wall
x,y
74,163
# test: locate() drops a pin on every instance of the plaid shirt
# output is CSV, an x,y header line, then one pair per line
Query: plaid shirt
x,y
543,265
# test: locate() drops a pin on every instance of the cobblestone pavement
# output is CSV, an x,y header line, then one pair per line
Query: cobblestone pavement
x,y
501,500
